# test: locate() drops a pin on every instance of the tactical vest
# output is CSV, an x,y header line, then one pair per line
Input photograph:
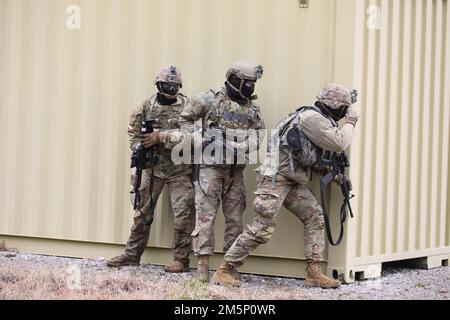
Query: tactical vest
x,y
228,114
165,117
292,136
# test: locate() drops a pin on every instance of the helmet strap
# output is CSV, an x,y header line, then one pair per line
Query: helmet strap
x,y
336,116
239,91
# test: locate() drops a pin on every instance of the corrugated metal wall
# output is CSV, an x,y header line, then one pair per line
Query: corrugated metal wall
x,y
67,94
401,154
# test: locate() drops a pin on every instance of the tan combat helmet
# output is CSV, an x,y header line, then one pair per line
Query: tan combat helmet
x,y
336,96
169,75
245,71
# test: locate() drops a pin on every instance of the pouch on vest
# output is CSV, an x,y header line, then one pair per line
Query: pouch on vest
x,y
293,139
302,148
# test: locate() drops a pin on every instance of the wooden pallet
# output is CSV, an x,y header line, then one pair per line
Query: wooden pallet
x,y
371,271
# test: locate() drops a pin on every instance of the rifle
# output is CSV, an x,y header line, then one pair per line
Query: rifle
x,y
217,138
337,166
141,159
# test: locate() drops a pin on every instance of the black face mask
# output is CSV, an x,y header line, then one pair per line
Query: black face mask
x,y
335,114
234,95
234,81
163,100
168,89
248,86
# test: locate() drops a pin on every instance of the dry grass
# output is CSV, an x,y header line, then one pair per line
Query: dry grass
x,y
26,276
47,282
44,282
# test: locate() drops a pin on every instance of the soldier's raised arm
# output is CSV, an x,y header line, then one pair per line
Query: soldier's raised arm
x,y
326,136
335,103
198,108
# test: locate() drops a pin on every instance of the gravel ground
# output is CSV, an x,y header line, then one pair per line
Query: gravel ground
x,y
27,276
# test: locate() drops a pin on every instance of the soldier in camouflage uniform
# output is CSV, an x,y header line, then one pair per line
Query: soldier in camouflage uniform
x,y
164,108
229,107
285,183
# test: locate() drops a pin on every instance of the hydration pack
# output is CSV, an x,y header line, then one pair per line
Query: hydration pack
x,y
301,147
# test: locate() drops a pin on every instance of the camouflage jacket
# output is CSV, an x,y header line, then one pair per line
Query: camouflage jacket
x,y
166,120
217,110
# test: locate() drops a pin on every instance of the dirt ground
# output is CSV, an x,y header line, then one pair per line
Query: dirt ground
x,y
27,276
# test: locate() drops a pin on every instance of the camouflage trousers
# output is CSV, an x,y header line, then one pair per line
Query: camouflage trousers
x,y
216,186
299,200
181,194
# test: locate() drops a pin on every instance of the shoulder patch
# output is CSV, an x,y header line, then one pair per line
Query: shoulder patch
x,y
209,97
217,91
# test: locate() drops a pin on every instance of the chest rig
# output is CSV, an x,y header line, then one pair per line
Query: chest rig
x,y
228,114
164,117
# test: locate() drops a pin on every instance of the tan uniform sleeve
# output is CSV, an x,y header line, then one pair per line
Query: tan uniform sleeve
x,y
255,141
134,127
198,108
195,110
321,131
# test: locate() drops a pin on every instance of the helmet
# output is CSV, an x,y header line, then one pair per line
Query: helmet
x,y
245,71
241,78
335,96
169,75
335,100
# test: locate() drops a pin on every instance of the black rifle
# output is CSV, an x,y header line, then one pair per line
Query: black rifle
x,y
336,167
217,138
143,158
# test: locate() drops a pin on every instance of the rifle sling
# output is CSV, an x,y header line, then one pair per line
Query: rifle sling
x,y
326,217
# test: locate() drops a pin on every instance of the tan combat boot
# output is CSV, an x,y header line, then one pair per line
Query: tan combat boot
x,y
176,267
203,268
227,275
315,277
123,260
